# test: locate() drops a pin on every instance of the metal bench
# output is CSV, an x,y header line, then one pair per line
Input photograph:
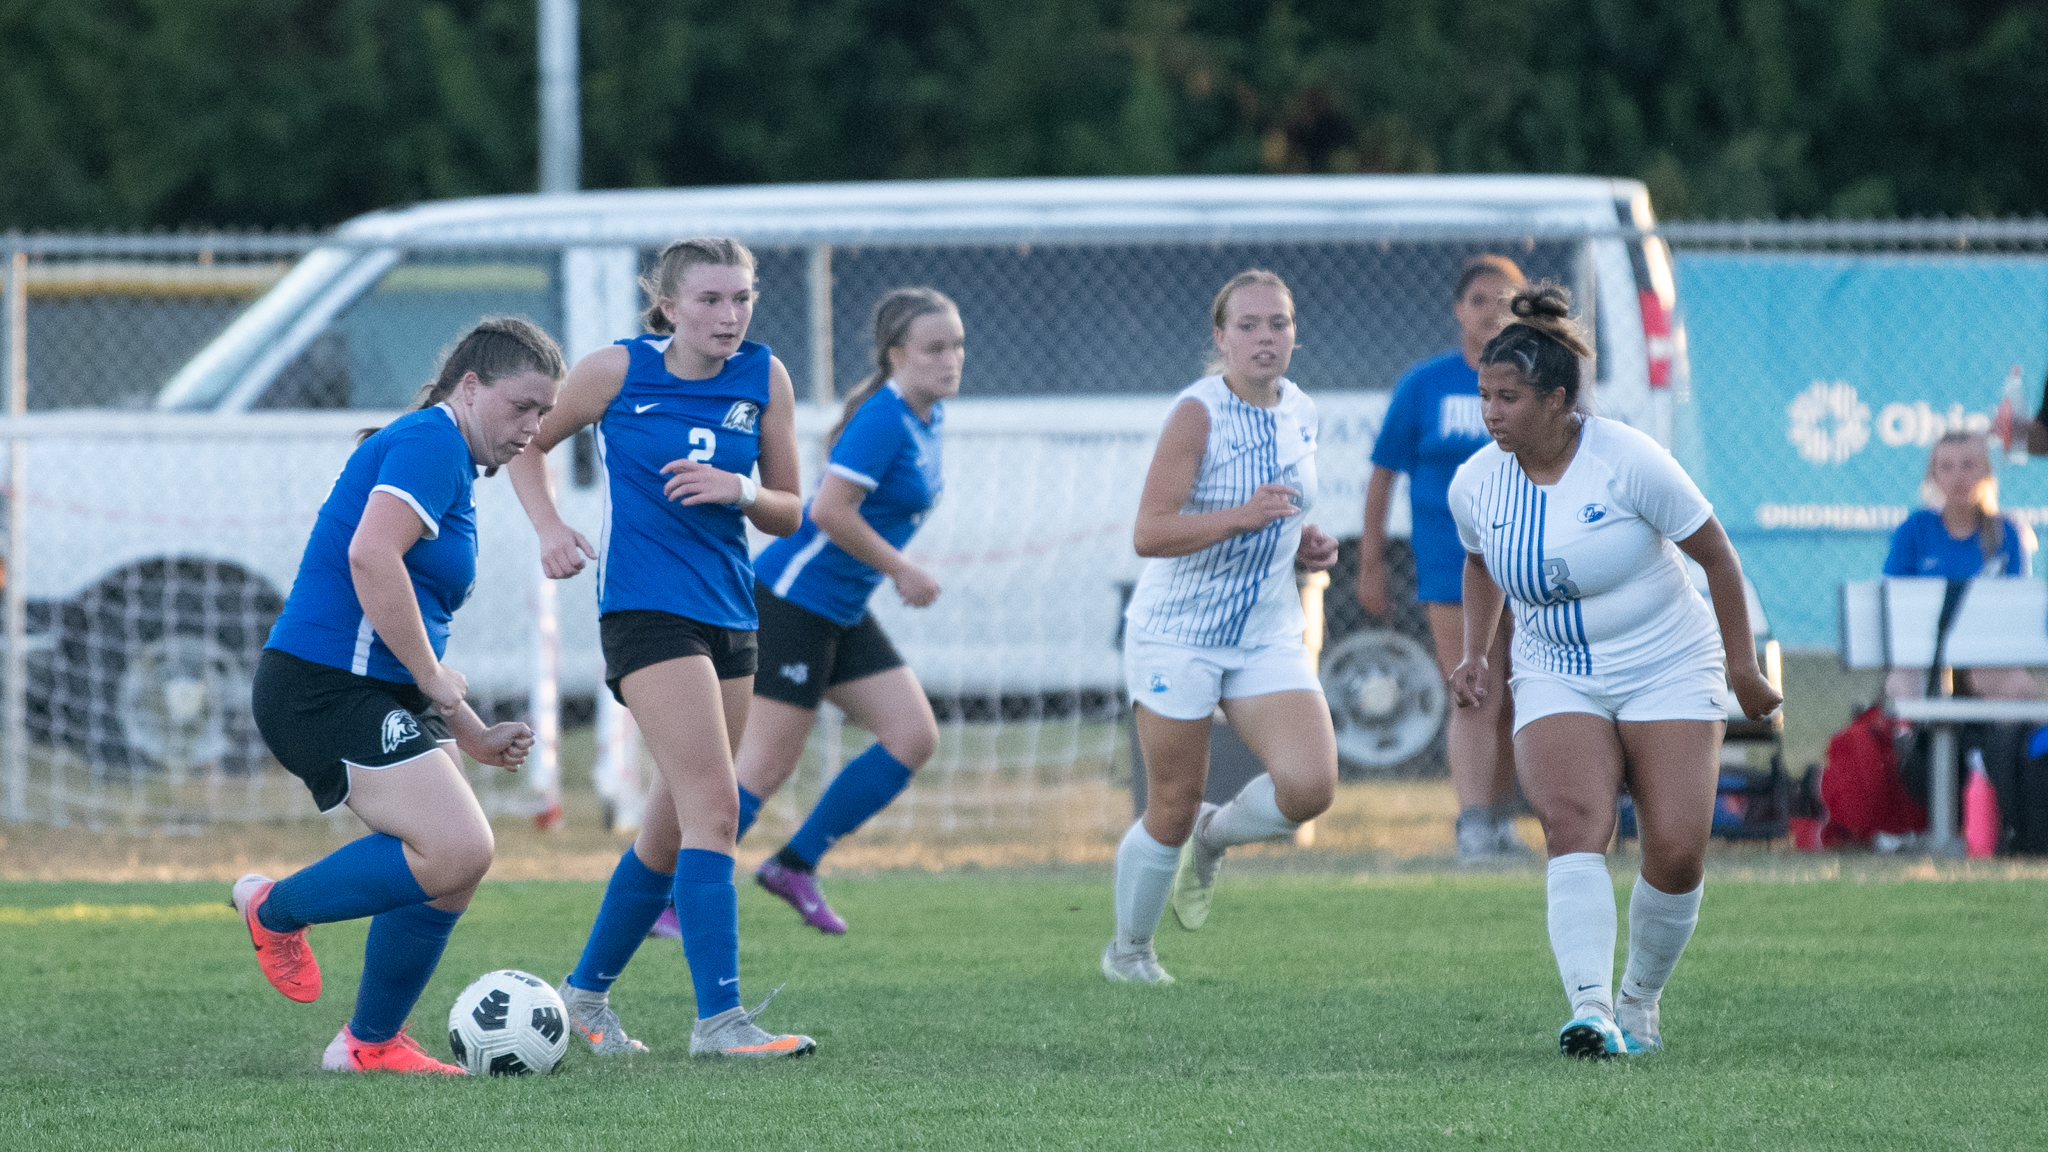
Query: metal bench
x,y
2001,622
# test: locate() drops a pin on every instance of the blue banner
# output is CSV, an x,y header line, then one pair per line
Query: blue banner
x,y
1819,383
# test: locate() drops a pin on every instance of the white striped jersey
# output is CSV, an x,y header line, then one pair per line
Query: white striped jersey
x,y
1588,563
1239,591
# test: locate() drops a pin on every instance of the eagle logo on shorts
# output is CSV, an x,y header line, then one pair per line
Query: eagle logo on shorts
x,y
796,673
742,416
1158,683
1591,513
399,727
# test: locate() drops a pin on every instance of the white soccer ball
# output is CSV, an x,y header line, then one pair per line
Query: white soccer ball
x,y
508,1023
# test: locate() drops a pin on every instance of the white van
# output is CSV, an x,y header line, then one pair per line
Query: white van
x,y
1086,306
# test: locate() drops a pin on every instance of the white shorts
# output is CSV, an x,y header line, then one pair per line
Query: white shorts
x,y
1689,688
1182,682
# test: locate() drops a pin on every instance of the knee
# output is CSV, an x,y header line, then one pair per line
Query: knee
x,y
912,744
1304,800
1673,873
460,863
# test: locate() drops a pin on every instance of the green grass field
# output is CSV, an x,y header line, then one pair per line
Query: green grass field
x,y
965,1011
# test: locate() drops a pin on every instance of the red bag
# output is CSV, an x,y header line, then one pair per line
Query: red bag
x,y
1861,787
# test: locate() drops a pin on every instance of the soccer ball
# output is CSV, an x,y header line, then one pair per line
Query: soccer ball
x,y
508,1023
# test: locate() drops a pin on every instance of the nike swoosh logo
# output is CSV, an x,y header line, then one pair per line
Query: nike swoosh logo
x,y
604,976
1583,987
1503,524
728,980
639,408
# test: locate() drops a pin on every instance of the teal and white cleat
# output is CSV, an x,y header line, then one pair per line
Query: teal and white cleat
x,y
1139,964
1591,1037
591,1015
1638,1022
1195,880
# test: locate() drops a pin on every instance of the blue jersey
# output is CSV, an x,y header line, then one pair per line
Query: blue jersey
x,y
656,553
1921,546
422,459
887,450
1433,425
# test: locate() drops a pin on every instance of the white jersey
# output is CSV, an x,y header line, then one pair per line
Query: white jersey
x,y
1239,591
1588,563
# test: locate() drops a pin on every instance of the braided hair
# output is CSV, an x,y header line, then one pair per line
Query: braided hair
x,y
1542,342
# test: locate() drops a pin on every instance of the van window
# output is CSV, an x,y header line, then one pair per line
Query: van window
x,y
387,343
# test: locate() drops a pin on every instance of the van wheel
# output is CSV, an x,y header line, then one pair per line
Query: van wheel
x,y
1386,699
1356,686
153,667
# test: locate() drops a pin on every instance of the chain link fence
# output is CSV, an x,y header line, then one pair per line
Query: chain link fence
x,y
149,550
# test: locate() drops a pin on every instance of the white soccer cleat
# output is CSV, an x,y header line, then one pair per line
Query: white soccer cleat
x,y
1591,1037
591,1015
1133,965
1639,1026
1194,881
734,1033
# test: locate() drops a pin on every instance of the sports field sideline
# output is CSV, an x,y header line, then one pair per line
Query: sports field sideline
x,y
1844,1003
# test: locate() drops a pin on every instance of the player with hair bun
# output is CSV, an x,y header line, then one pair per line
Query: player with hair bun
x,y
684,414
1216,619
1620,672
352,697
818,640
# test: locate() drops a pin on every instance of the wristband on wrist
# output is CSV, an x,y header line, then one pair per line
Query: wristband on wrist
x,y
749,492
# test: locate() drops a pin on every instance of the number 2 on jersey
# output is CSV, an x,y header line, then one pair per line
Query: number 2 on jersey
x,y
703,442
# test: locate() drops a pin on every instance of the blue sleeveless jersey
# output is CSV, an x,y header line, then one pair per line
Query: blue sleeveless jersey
x,y
422,459
655,553
887,450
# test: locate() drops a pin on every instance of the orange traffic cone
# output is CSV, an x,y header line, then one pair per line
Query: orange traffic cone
x,y
1980,810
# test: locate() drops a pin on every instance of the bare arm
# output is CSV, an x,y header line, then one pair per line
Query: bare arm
x,y
592,386
1483,603
1710,548
836,508
1372,543
1161,529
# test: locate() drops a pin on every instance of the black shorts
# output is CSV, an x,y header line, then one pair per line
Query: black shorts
x,y
636,638
803,654
319,720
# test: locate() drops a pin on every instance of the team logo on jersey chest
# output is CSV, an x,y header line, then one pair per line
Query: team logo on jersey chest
x,y
1591,513
742,416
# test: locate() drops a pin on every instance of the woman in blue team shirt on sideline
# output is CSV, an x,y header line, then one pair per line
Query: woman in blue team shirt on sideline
x,y
1963,536
683,415
818,639
1432,426
353,699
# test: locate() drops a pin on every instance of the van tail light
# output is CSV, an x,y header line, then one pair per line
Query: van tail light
x,y
1657,337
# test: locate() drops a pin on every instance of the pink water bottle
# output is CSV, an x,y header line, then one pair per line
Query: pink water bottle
x,y
1980,810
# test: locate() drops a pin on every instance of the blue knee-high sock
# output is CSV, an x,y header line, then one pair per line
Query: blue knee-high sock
x,y
358,879
404,946
633,899
709,910
864,787
750,807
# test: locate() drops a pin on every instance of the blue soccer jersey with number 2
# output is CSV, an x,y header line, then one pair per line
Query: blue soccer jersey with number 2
x,y
655,553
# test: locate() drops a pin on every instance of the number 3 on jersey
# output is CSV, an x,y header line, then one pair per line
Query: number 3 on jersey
x,y
1557,577
703,443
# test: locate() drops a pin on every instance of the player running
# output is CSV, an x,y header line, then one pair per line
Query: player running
x,y
1216,618
683,416
1619,672
818,640
353,699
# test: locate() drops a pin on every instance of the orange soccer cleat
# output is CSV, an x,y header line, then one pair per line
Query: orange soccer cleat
x,y
285,957
401,1053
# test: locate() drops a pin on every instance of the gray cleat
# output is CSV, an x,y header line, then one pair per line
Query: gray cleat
x,y
1133,964
733,1033
1194,881
591,1015
1639,1026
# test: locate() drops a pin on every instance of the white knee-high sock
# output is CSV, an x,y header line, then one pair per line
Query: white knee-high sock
x,y
1659,925
1251,815
1144,873
1581,912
